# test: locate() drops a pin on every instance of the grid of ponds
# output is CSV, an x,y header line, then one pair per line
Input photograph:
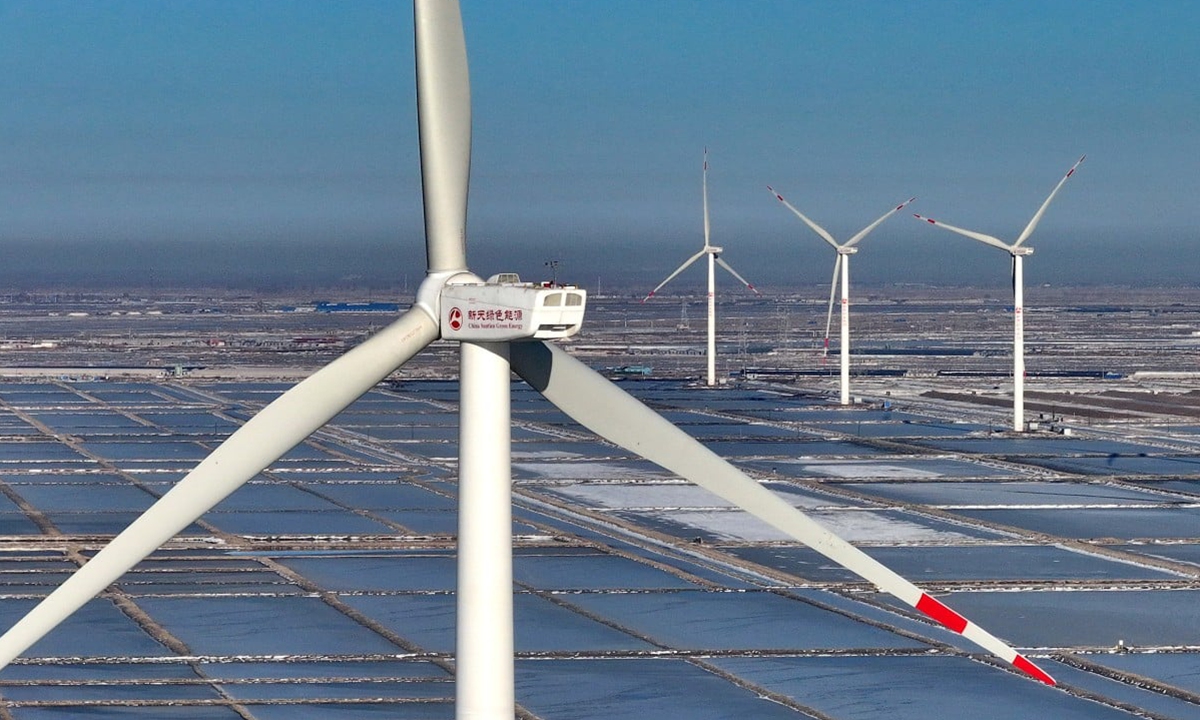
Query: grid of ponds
x,y
324,588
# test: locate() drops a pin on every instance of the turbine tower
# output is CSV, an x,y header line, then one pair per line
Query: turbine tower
x,y
841,266
450,305
1018,251
714,257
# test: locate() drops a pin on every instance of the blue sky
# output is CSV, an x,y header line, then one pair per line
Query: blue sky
x,y
213,126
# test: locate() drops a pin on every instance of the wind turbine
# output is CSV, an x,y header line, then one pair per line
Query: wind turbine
x,y
714,256
842,263
1018,251
455,305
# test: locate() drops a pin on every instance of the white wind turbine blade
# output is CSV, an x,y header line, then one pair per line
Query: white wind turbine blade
x,y
1042,210
270,434
988,239
734,273
678,270
837,265
815,227
618,417
704,190
444,126
867,230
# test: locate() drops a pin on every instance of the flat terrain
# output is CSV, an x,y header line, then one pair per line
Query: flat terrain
x,y
324,588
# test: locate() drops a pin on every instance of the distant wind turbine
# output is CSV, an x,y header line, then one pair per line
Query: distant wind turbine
x,y
842,263
1018,251
714,256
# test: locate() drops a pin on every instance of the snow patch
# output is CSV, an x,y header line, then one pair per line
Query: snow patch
x,y
680,495
858,469
852,526
583,470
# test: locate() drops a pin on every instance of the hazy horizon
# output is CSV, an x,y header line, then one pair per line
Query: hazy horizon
x,y
244,143
776,263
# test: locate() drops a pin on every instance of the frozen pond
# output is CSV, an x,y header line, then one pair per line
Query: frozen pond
x,y
971,562
645,688
1058,446
790,448
264,625
1125,465
98,629
1086,618
1123,523
885,526
890,468
912,688
606,470
540,625
727,621
673,496
1181,670
977,494
903,429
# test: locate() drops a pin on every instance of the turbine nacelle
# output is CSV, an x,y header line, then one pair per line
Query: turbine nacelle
x,y
713,249
1021,250
844,250
504,309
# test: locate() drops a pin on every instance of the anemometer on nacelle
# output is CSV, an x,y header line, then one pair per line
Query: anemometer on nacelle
x,y
505,309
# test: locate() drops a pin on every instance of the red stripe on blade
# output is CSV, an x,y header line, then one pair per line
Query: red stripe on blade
x,y
942,614
1022,663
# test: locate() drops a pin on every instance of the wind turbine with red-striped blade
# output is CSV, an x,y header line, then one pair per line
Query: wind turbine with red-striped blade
x,y
841,271
1018,251
714,258
484,666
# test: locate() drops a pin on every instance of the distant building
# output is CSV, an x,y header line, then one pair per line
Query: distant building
x,y
331,307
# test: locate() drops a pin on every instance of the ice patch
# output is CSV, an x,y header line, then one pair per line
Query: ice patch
x,y
584,470
852,526
542,454
645,496
863,470
854,469
681,495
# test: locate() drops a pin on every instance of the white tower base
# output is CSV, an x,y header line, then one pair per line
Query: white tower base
x,y
484,643
844,351
1018,344
712,321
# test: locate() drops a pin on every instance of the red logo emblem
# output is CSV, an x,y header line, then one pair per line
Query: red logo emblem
x,y
455,319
